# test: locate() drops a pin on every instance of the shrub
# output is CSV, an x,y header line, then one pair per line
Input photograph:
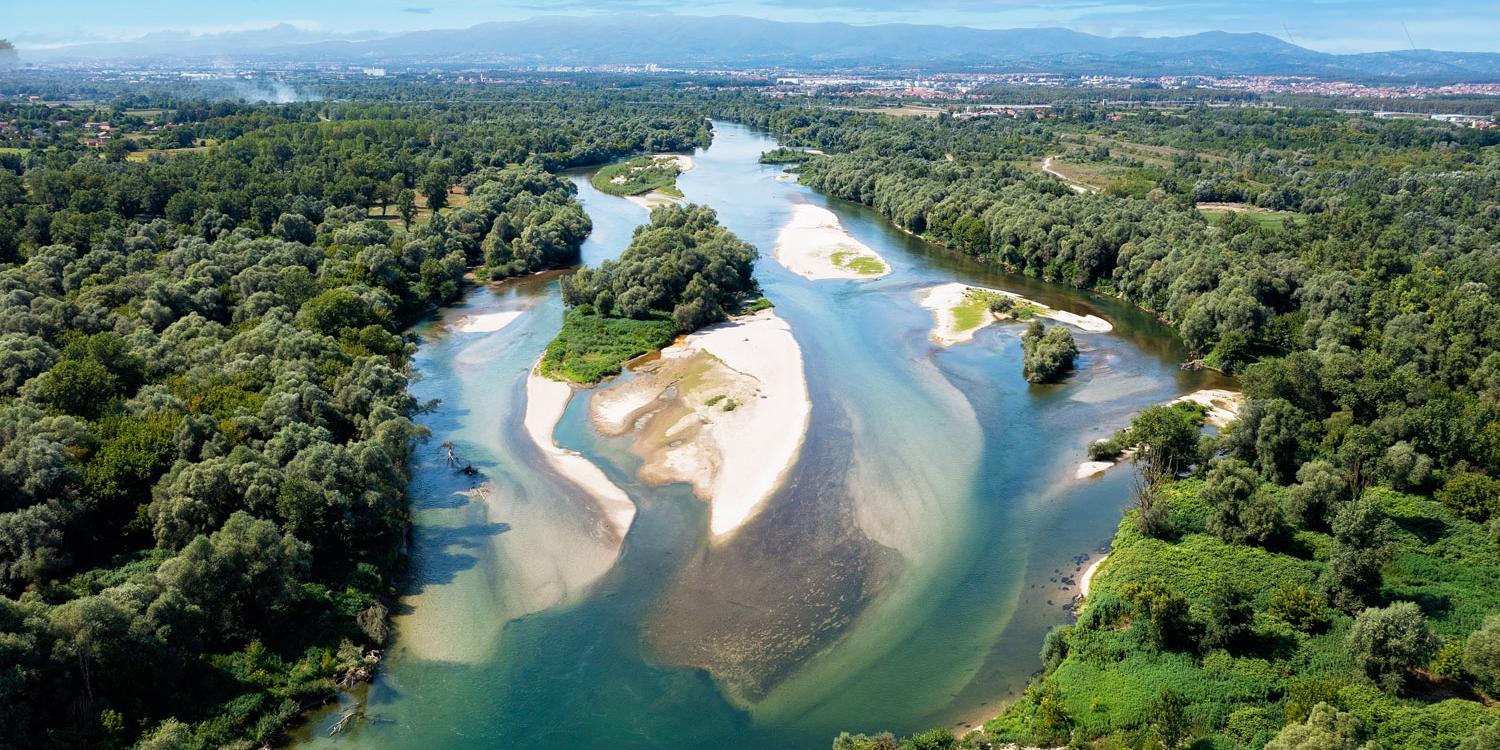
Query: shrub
x,y
1386,643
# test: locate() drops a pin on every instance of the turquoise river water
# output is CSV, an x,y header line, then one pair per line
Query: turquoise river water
x,y
901,579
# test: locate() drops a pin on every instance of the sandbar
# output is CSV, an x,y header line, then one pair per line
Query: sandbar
x,y
814,245
486,323
944,299
546,400
724,410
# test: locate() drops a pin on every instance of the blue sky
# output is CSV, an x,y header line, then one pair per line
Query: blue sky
x,y
1329,25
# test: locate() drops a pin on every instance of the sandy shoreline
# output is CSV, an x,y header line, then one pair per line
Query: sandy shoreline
x,y
942,300
1088,576
486,323
725,410
546,399
814,245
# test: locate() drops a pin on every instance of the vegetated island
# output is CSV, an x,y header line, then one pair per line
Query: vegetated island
x,y
737,410
961,310
1185,414
814,244
1048,353
650,180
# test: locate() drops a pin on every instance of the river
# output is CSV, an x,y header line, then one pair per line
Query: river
x,y
901,579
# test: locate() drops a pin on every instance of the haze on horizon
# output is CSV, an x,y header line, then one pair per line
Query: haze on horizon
x,y
1338,26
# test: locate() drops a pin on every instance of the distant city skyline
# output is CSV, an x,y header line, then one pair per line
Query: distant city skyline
x,y
1327,25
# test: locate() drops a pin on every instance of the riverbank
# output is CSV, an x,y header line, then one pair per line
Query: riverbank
x,y
959,311
1223,407
546,400
814,244
724,410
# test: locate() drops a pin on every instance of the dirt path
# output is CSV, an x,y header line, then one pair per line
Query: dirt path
x,y
1074,185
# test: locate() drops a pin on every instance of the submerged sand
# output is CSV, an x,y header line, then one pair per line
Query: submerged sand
x,y
546,400
724,410
943,299
815,245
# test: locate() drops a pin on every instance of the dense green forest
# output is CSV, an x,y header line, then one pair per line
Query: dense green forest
x,y
681,271
204,422
1325,571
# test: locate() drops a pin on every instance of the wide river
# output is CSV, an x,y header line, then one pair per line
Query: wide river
x,y
901,579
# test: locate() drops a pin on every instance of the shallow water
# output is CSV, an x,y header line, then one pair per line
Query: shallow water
x,y
902,579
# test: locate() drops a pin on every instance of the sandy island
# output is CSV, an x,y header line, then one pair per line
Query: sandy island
x,y
813,244
654,199
546,399
1223,407
487,323
725,410
946,300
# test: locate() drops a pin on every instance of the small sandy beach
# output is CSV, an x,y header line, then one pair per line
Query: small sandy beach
x,y
546,399
814,245
725,410
945,301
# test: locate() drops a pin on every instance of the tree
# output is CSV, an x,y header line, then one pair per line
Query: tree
x,y
1048,353
1472,495
1163,611
434,187
1352,577
1387,643
1231,616
1320,489
1166,440
1482,652
1326,729
1242,512
406,205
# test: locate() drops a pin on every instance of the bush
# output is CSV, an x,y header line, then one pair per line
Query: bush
x,y
1387,643
1326,729
1300,607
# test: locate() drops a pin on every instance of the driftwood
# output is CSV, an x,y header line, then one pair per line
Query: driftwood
x,y
342,725
1193,364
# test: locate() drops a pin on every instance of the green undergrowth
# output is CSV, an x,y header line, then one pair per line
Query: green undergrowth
x,y
590,347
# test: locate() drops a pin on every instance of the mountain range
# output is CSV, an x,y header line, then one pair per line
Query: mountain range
x,y
740,42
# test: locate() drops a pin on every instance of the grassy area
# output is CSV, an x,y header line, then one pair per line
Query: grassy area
x,y
859,263
1266,218
14,150
970,313
1110,677
590,348
638,176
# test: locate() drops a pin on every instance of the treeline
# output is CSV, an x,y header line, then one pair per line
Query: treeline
x,y
1325,568
682,271
204,421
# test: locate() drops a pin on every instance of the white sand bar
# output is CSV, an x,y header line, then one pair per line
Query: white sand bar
x,y
724,410
813,244
487,323
546,399
944,298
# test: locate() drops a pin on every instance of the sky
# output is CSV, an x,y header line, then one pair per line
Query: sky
x,y
1328,25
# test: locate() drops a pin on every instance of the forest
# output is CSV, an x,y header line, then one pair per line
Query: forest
x,y
1325,572
204,421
